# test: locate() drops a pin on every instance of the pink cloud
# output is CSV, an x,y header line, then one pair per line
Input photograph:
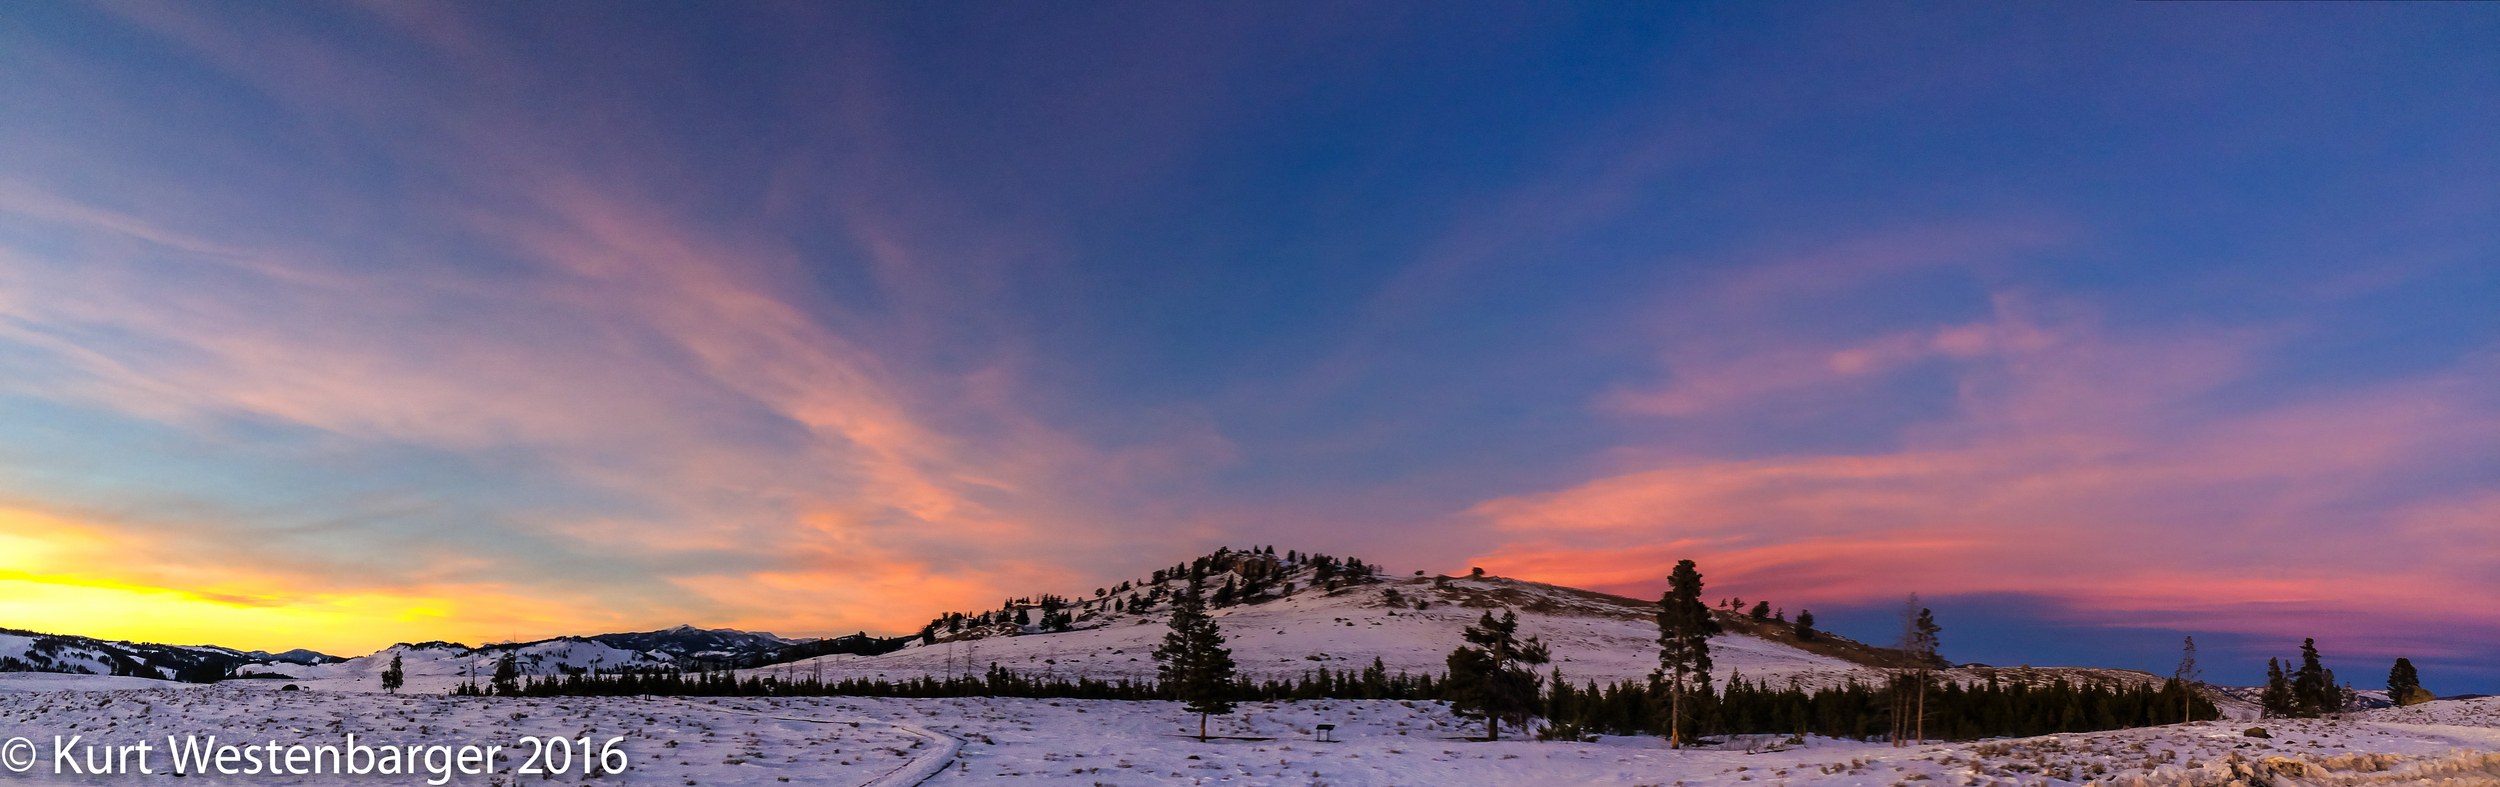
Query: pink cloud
x,y
636,353
2081,463
635,349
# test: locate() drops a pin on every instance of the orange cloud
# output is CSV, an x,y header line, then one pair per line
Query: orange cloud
x,y
752,451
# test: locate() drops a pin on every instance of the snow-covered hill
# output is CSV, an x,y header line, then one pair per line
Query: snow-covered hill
x,y
687,643
28,651
435,667
1300,623
1290,620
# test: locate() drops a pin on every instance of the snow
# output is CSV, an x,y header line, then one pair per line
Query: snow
x,y
2476,712
56,681
435,669
966,741
1347,629
60,658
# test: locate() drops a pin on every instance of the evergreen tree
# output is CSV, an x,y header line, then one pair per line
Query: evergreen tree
x,y
2187,676
396,676
1493,676
1805,625
1919,646
507,680
2404,685
2277,699
1684,630
1193,662
1762,610
2313,688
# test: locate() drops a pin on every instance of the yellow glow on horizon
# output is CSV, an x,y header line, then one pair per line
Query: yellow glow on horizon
x,y
59,576
344,626
62,575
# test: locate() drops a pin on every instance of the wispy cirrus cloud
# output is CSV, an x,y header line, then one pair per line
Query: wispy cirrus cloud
x,y
550,378
636,362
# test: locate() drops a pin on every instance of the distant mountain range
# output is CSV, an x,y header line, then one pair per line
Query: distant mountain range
x,y
682,647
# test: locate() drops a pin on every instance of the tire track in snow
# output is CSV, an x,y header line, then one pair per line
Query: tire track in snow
x,y
908,774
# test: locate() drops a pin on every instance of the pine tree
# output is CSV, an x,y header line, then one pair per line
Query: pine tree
x,y
1762,610
1805,625
2277,699
1920,646
2404,684
507,680
396,676
1193,662
2313,688
2187,676
1493,676
1684,630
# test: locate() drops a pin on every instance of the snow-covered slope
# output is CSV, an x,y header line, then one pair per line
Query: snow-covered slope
x,y
686,642
1405,623
28,651
435,667
2474,712
1592,637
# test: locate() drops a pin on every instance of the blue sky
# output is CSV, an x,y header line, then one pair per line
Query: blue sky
x,y
2095,324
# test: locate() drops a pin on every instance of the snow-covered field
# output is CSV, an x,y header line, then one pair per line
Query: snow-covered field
x,y
858,741
2477,712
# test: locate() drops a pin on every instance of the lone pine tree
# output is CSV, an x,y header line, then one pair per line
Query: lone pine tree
x,y
394,676
1193,663
1918,648
1493,674
1684,631
2186,678
2404,685
1805,625
507,680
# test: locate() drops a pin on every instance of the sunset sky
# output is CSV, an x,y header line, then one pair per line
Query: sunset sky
x,y
334,325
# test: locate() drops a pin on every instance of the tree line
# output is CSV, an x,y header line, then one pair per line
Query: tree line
x,y
2309,690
